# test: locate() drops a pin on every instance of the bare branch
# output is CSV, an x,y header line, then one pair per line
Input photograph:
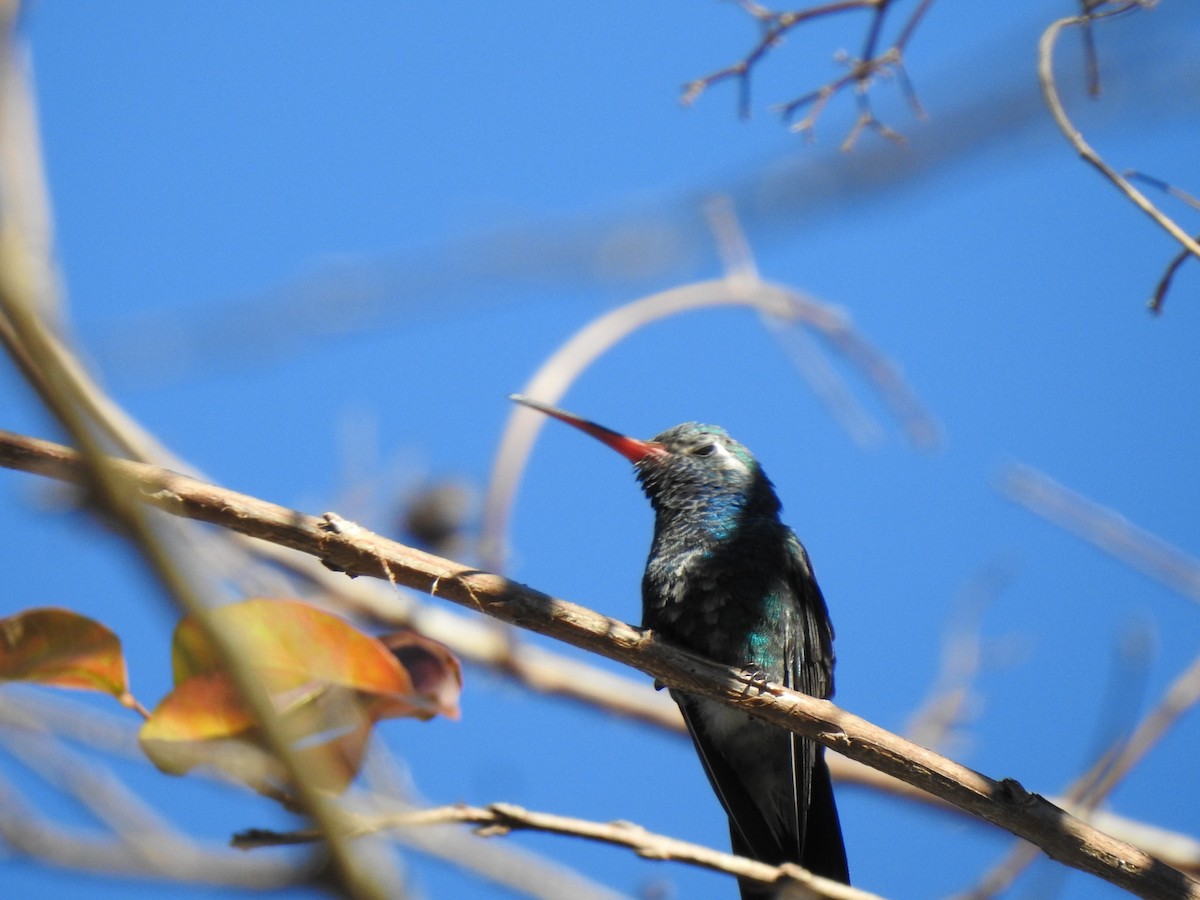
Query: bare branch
x,y
502,818
1164,283
862,70
1072,134
775,26
358,552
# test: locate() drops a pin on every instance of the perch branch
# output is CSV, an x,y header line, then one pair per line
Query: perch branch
x,y
358,552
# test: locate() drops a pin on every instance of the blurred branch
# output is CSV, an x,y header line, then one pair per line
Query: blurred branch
x,y
1094,12
28,299
951,698
786,307
987,115
1103,528
1181,696
138,841
24,830
504,818
355,551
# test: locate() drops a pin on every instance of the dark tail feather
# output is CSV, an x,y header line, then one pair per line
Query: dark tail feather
x,y
750,890
824,852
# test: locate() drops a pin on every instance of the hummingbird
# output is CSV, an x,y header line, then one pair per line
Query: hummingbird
x,y
726,579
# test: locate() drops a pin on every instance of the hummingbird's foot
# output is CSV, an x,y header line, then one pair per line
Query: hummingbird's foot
x,y
756,680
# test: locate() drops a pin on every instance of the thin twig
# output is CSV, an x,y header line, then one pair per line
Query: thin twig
x,y
1165,186
1164,283
503,818
862,71
775,26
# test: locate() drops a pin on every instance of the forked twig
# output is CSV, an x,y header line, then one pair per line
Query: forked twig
x,y
1084,149
863,70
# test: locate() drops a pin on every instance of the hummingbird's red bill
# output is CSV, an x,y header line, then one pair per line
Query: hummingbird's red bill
x,y
632,449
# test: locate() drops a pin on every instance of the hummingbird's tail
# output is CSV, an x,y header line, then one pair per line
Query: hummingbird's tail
x,y
824,851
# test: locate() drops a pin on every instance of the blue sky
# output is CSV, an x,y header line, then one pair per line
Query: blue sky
x,y
306,244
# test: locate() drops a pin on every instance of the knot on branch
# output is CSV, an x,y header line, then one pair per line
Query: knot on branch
x,y
1011,792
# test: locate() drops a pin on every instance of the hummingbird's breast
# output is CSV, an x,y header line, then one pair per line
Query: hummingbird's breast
x,y
722,593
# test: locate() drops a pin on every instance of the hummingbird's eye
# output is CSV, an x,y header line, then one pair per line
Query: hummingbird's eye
x,y
705,450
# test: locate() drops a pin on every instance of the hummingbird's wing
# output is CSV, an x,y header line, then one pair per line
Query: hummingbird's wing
x,y
809,668
810,650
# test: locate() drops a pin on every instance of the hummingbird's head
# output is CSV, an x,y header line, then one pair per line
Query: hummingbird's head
x,y
686,467
701,462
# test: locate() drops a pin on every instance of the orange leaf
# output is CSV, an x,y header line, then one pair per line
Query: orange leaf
x,y
203,707
204,723
62,648
329,681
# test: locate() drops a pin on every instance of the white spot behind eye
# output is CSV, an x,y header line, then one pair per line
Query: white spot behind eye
x,y
728,460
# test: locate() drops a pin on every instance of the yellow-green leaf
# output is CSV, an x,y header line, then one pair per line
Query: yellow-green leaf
x,y
292,643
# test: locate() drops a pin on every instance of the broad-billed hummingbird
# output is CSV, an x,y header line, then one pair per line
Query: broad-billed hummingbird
x,y
728,580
